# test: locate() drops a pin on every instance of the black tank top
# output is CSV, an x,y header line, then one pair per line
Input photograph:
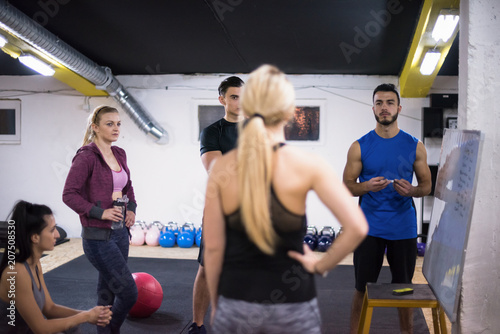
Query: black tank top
x,y
250,275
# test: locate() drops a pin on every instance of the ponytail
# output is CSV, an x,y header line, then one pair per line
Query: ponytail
x,y
89,135
28,219
254,180
268,99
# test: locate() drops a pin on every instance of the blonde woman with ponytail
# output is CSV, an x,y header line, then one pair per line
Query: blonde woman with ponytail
x,y
98,188
255,261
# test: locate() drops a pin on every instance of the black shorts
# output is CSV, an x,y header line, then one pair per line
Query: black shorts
x,y
369,257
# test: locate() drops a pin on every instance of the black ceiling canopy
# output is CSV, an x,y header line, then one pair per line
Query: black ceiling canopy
x,y
367,37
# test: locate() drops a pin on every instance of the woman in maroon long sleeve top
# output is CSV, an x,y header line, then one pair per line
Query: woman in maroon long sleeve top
x,y
98,177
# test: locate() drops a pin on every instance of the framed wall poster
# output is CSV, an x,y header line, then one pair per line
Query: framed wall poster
x,y
208,115
207,111
306,125
10,121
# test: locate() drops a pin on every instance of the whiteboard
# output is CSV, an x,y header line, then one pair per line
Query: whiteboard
x,y
451,214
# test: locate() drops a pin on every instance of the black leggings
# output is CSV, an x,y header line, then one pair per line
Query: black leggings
x,y
115,286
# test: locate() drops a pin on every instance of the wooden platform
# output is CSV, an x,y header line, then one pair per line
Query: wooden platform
x,y
380,295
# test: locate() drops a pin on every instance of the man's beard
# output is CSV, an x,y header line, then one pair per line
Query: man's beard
x,y
387,121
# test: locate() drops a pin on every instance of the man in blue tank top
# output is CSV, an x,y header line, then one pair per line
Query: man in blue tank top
x,y
215,140
379,169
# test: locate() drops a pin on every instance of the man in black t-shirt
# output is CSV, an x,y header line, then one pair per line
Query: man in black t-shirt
x,y
218,137
215,140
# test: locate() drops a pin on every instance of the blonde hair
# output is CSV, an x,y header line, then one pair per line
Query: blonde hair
x,y
267,99
95,118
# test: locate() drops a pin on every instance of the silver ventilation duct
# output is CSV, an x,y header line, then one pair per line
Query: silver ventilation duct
x,y
24,28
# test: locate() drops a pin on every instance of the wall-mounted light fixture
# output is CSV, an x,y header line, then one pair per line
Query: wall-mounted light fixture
x,y
430,62
445,25
437,28
37,65
3,41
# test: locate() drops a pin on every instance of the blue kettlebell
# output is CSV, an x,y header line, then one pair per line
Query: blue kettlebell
x,y
311,241
172,226
324,242
167,239
311,237
198,237
326,239
420,248
185,239
189,227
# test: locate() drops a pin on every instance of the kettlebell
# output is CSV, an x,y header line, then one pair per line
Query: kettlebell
x,y
326,239
172,226
198,237
189,227
153,234
137,234
167,238
311,237
185,239
420,248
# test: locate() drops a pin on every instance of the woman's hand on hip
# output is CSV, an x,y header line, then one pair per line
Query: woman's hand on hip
x,y
130,218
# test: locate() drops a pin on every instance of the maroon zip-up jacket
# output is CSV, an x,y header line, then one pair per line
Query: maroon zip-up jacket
x,y
89,185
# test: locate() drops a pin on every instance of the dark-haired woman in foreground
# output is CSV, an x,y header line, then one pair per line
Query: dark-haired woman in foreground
x,y
25,303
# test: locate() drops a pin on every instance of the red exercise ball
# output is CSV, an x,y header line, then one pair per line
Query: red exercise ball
x,y
149,297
